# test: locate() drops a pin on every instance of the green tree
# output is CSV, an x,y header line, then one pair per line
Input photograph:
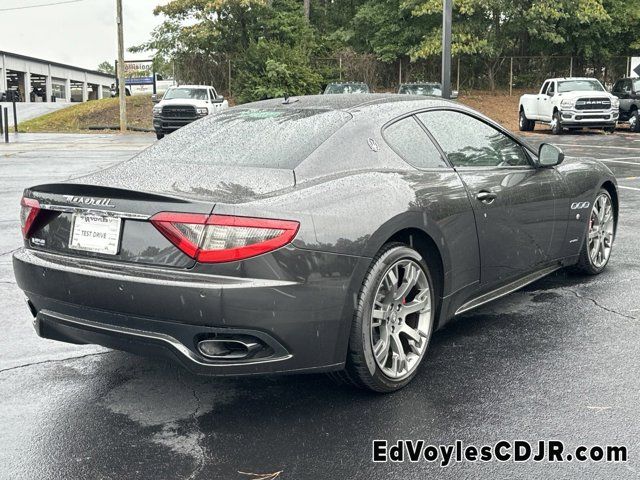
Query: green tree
x,y
107,67
496,28
269,43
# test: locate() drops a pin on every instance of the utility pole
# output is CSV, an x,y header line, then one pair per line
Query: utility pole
x,y
447,11
122,90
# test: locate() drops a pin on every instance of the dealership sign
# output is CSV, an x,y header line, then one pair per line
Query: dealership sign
x,y
138,72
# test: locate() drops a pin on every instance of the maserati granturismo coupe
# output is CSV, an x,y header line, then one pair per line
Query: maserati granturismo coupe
x,y
329,233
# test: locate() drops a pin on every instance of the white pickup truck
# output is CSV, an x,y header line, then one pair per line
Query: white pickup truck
x,y
571,103
185,104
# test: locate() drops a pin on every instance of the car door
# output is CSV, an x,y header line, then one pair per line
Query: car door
x,y
519,224
539,99
625,96
546,104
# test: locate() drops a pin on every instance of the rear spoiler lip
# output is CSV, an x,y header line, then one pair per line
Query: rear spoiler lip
x,y
89,190
109,201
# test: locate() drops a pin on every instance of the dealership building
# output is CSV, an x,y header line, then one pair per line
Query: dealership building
x,y
38,80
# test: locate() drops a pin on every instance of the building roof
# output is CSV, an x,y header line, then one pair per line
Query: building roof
x,y
57,64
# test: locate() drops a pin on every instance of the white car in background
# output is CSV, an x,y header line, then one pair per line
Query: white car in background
x,y
184,104
571,103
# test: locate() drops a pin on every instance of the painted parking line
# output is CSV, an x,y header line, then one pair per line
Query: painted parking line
x,y
629,188
615,160
606,147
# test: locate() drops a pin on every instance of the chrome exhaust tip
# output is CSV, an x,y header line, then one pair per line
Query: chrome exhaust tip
x,y
227,349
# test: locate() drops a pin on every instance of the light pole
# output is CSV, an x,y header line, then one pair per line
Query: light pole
x,y
447,10
122,90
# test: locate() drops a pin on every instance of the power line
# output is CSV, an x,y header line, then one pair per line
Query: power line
x,y
40,5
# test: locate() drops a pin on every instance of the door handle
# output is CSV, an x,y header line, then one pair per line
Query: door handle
x,y
486,197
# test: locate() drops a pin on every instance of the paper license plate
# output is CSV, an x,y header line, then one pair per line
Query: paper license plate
x,y
95,233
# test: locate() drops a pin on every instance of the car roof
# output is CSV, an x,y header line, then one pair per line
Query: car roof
x,y
190,86
420,83
570,78
350,82
353,102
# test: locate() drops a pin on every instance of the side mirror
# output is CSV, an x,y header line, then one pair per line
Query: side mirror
x,y
155,98
549,155
218,99
454,94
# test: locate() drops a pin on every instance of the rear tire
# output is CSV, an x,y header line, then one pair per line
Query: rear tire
x,y
634,121
392,324
599,236
524,123
556,123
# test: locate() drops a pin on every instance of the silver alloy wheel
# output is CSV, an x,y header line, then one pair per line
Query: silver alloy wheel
x,y
601,231
554,123
632,122
401,319
521,119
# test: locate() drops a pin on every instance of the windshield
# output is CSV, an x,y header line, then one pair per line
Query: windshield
x,y
580,86
249,137
347,88
188,93
430,89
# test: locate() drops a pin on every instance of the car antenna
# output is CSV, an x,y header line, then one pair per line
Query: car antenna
x,y
287,100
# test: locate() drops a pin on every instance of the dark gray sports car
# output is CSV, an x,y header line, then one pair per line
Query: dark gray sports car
x,y
313,234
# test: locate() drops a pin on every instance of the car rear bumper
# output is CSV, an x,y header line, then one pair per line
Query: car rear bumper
x,y
298,326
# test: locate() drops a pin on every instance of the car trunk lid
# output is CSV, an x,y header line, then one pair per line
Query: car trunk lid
x,y
115,206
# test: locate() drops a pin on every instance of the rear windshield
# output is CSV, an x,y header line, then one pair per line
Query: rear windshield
x,y
274,138
429,89
347,88
580,86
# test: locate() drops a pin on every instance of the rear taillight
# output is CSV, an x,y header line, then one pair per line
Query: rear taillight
x,y
28,212
223,238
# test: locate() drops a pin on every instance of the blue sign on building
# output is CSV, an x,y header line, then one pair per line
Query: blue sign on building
x,y
139,81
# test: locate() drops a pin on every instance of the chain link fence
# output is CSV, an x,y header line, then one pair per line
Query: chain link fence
x,y
469,72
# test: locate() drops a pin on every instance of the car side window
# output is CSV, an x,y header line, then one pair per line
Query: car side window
x,y
545,85
617,87
409,140
470,142
552,88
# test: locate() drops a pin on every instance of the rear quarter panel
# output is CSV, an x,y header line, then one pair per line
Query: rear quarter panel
x,y
583,178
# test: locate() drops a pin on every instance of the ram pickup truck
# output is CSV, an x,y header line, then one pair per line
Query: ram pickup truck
x,y
571,103
628,92
185,104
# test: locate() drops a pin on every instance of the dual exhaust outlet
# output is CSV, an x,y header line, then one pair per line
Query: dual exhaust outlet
x,y
228,349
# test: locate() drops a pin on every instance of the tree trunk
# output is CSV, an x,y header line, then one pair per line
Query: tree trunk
x,y
307,8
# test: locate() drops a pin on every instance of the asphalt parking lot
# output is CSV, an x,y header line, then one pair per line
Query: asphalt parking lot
x,y
558,360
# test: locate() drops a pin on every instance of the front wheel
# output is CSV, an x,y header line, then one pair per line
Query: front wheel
x,y
596,248
634,121
556,124
610,129
393,321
